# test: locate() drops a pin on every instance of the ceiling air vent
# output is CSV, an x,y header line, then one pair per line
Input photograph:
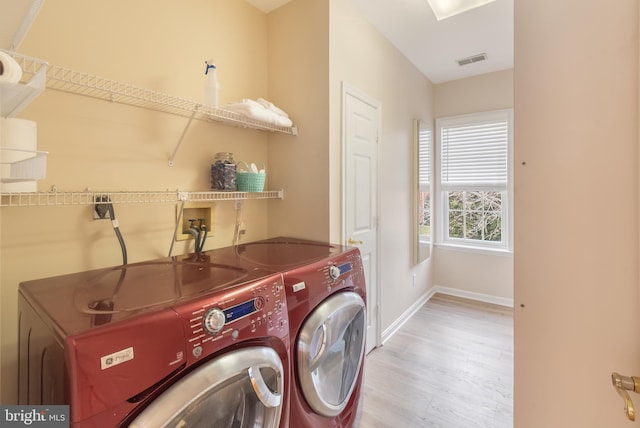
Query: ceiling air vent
x,y
472,59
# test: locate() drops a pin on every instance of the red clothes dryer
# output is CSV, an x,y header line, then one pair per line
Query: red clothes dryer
x,y
173,342
326,295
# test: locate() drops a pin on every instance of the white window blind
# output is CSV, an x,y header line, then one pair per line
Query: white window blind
x,y
474,155
424,159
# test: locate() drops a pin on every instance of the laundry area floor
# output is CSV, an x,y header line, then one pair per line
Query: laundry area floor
x,y
449,366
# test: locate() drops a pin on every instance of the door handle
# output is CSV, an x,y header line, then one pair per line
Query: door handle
x,y
622,385
317,358
265,395
352,241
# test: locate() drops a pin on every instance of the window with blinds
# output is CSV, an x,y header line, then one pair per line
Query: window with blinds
x,y
474,178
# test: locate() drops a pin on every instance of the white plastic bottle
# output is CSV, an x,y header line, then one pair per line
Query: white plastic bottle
x,y
211,86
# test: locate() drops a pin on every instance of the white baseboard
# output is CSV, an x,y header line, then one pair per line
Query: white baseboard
x,y
486,298
406,315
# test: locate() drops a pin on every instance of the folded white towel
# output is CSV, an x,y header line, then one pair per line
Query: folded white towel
x,y
250,109
271,107
283,121
254,110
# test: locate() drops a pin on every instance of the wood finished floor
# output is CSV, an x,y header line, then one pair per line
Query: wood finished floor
x,y
449,366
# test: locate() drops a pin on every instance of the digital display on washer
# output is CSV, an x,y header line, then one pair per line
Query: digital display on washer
x,y
242,310
344,268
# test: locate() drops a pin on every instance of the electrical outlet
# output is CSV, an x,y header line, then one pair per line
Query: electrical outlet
x,y
414,279
101,209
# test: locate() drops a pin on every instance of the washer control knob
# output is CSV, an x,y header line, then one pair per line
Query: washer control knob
x,y
213,321
334,272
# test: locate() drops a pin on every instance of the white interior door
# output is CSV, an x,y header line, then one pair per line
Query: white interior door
x,y
361,127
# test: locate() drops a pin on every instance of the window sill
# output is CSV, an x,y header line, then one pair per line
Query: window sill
x,y
501,252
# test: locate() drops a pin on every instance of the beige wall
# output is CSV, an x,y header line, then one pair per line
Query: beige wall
x,y
159,45
486,276
576,247
491,91
362,58
299,78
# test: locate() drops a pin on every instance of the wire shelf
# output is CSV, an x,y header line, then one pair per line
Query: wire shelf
x,y
79,83
30,199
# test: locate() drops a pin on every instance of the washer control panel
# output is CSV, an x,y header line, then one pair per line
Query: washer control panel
x,y
219,319
336,271
324,277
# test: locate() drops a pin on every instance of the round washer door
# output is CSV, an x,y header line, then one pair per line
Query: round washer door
x,y
330,349
242,388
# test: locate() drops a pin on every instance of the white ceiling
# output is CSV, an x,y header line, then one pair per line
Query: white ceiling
x,y
435,46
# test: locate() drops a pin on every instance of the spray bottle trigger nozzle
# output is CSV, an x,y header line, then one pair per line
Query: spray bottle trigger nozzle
x,y
206,71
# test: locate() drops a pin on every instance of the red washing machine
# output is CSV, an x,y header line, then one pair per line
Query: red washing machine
x,y
326,295
180,341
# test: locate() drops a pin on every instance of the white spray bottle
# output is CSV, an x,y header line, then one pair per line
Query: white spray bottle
x,y
211,86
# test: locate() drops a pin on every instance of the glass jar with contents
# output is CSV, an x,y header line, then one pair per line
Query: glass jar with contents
x,y
223,172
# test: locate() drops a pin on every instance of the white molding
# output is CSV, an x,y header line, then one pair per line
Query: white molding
x,y
406,315
486,298
485,251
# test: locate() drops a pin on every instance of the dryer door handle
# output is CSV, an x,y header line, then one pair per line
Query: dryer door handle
x,y
263,392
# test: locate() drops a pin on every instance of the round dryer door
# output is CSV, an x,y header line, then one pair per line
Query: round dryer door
x,y
330,350
243,388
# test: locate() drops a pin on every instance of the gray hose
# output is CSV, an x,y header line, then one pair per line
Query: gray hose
x,y
204,236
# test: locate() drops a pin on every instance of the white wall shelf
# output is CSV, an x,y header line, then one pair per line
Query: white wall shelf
x,y
32,165
30,199
16,96
76,82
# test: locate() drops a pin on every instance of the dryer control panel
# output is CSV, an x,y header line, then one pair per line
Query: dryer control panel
x,y
254,310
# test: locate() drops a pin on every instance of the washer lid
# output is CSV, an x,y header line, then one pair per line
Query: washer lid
x,y
330,349
285,253
85,300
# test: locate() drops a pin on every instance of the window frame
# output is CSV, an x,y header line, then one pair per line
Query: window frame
x,y
425,149
441,190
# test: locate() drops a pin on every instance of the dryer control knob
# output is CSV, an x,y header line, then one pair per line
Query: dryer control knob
x,y
334,272
213,321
